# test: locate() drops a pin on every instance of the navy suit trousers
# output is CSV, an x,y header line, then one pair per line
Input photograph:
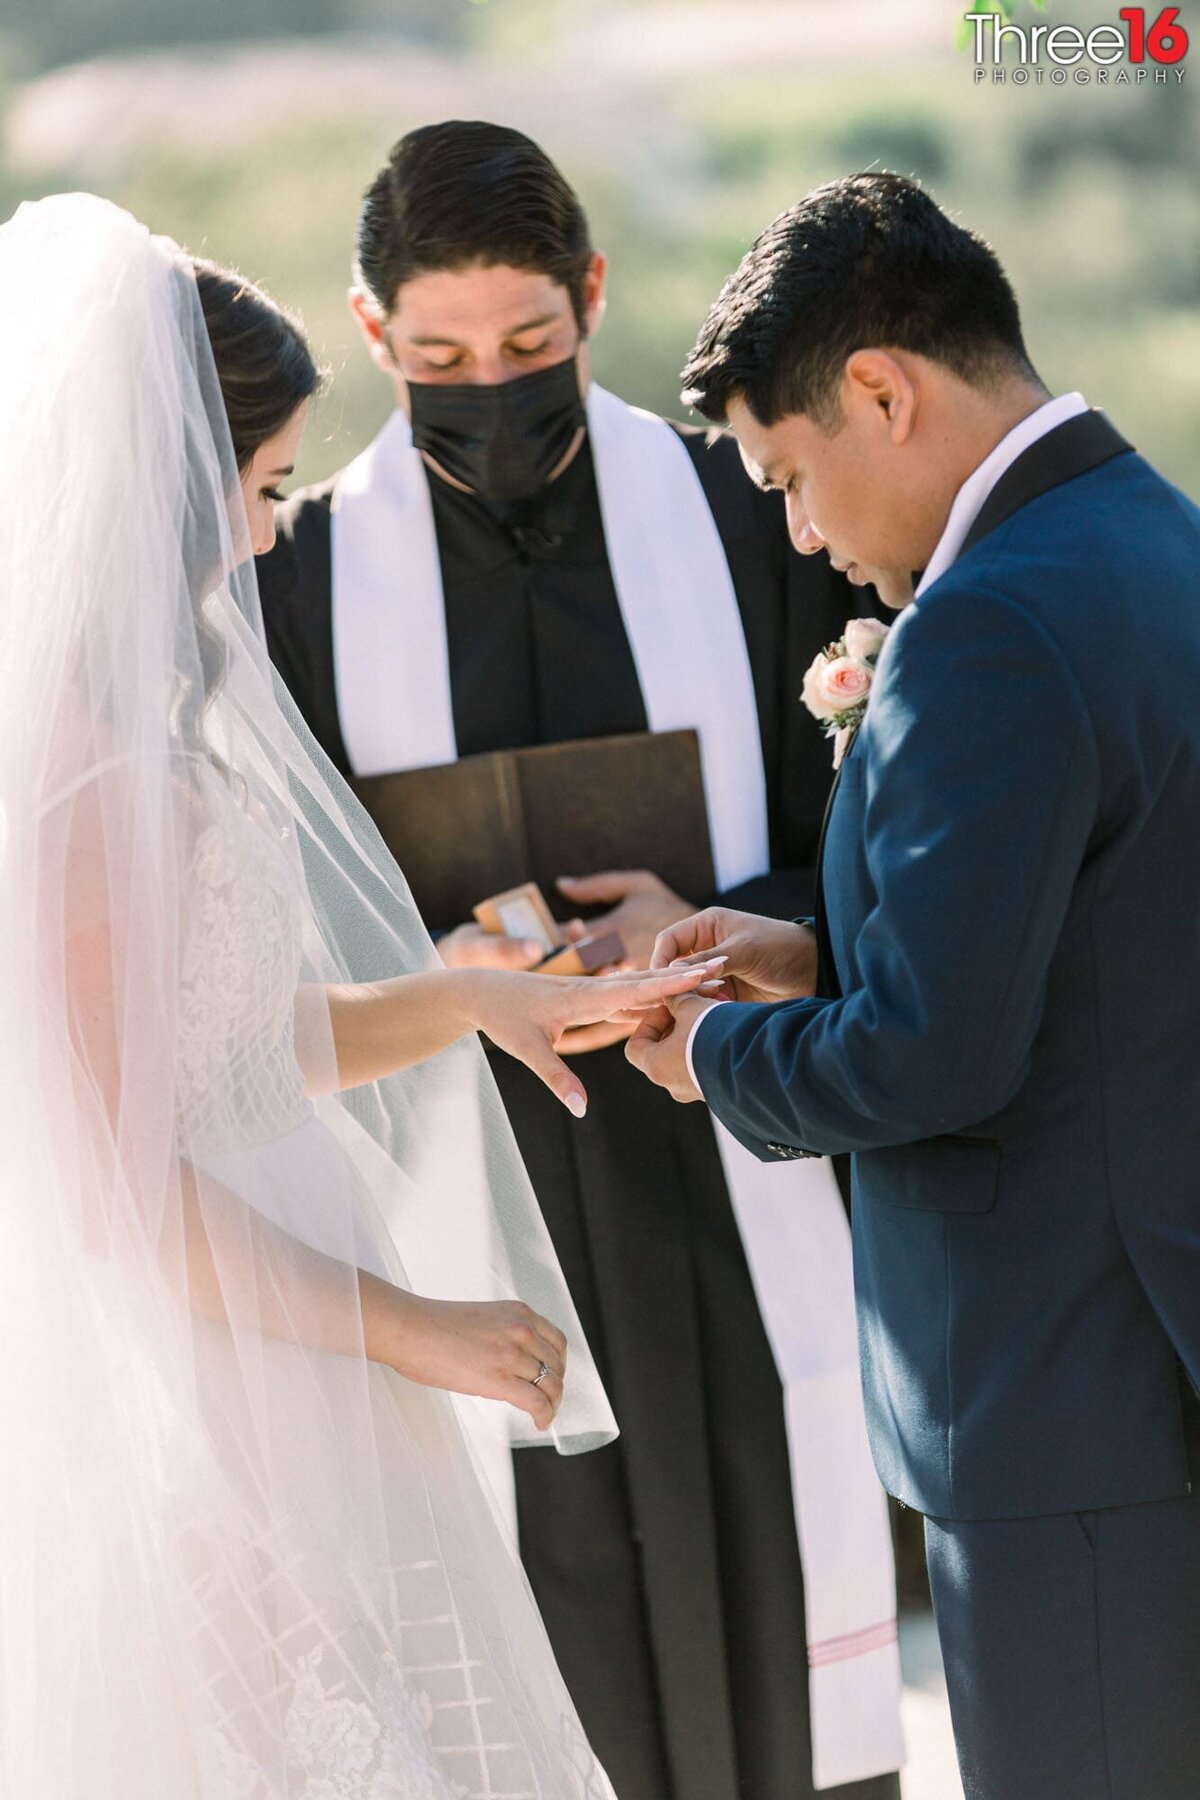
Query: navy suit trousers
x,y
1072,1648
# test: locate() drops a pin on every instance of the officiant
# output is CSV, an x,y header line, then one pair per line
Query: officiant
x,y
520,560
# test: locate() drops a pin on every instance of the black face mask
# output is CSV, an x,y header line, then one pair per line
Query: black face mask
x,y
502,441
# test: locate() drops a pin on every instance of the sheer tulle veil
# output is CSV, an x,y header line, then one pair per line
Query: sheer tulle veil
x,y
236,1558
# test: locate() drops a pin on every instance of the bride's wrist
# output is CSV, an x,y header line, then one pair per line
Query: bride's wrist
x,y
470,991
458,1000
387,1319
397,1327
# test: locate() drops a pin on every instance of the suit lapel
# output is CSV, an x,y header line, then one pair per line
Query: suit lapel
x,y
828,985
1071,449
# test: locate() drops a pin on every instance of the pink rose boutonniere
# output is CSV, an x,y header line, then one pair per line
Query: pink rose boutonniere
x,y
838,683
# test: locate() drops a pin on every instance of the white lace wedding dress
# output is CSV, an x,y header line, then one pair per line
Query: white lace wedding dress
x,y
400,1678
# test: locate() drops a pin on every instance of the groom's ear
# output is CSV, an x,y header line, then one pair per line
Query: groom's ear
x,y
881,389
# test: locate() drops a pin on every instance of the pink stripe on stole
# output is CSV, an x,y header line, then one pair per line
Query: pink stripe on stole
x,y
852,1643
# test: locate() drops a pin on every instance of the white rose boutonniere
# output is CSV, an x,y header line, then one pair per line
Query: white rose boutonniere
x,y
838,684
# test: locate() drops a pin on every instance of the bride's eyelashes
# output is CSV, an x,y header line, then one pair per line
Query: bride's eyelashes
x,y
271,494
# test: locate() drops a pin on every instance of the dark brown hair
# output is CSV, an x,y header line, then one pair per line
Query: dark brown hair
x,y
264,364
869,261
466,192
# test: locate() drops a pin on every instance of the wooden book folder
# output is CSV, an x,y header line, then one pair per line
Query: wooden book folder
x,y
465,830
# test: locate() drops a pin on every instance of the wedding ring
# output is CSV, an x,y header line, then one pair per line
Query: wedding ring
x,y
543,1371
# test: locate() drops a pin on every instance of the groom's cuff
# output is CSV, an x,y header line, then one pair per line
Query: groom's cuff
x,y
690,1045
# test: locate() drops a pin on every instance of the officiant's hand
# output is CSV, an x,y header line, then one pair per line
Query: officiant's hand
x,y
767,959
471,947
640,905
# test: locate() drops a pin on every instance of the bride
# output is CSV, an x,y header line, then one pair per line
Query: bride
x,y
243,1551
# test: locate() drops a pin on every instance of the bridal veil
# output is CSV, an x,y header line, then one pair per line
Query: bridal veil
x,y
237,1560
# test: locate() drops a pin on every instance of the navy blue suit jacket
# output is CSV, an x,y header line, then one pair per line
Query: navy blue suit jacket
x,y
1012,884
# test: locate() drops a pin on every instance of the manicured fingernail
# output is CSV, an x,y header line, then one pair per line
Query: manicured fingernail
x,y
532,947
577,1105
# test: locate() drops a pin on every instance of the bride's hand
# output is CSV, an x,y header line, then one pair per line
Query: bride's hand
x,y
496,1348
529,1015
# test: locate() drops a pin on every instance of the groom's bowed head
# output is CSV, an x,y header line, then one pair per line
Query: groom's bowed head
x,y
867,355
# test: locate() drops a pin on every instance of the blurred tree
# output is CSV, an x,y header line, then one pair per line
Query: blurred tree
x,y
60,31
1007,9
910,143
1160,136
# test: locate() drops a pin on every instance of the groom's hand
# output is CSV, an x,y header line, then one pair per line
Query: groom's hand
x,y
659,1046
768,959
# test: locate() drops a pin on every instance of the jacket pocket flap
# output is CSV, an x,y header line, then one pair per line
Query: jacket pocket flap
x,y
941,1174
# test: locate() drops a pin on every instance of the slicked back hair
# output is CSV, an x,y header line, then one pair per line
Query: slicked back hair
x,y
466,192
867,262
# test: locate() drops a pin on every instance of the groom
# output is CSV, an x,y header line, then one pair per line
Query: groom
x,y
1007,1033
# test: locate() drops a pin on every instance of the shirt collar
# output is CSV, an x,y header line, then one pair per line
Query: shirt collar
x,y
968,502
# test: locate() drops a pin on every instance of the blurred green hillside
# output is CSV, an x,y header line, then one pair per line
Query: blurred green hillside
x,y
1090,196
58,31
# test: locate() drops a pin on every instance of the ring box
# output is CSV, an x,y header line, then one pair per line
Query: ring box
x,y
586,957
522,912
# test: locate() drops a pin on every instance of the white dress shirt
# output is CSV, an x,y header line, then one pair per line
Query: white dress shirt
x,y
968,504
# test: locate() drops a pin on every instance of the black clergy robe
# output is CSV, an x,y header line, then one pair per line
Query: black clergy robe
x,y
665,1565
